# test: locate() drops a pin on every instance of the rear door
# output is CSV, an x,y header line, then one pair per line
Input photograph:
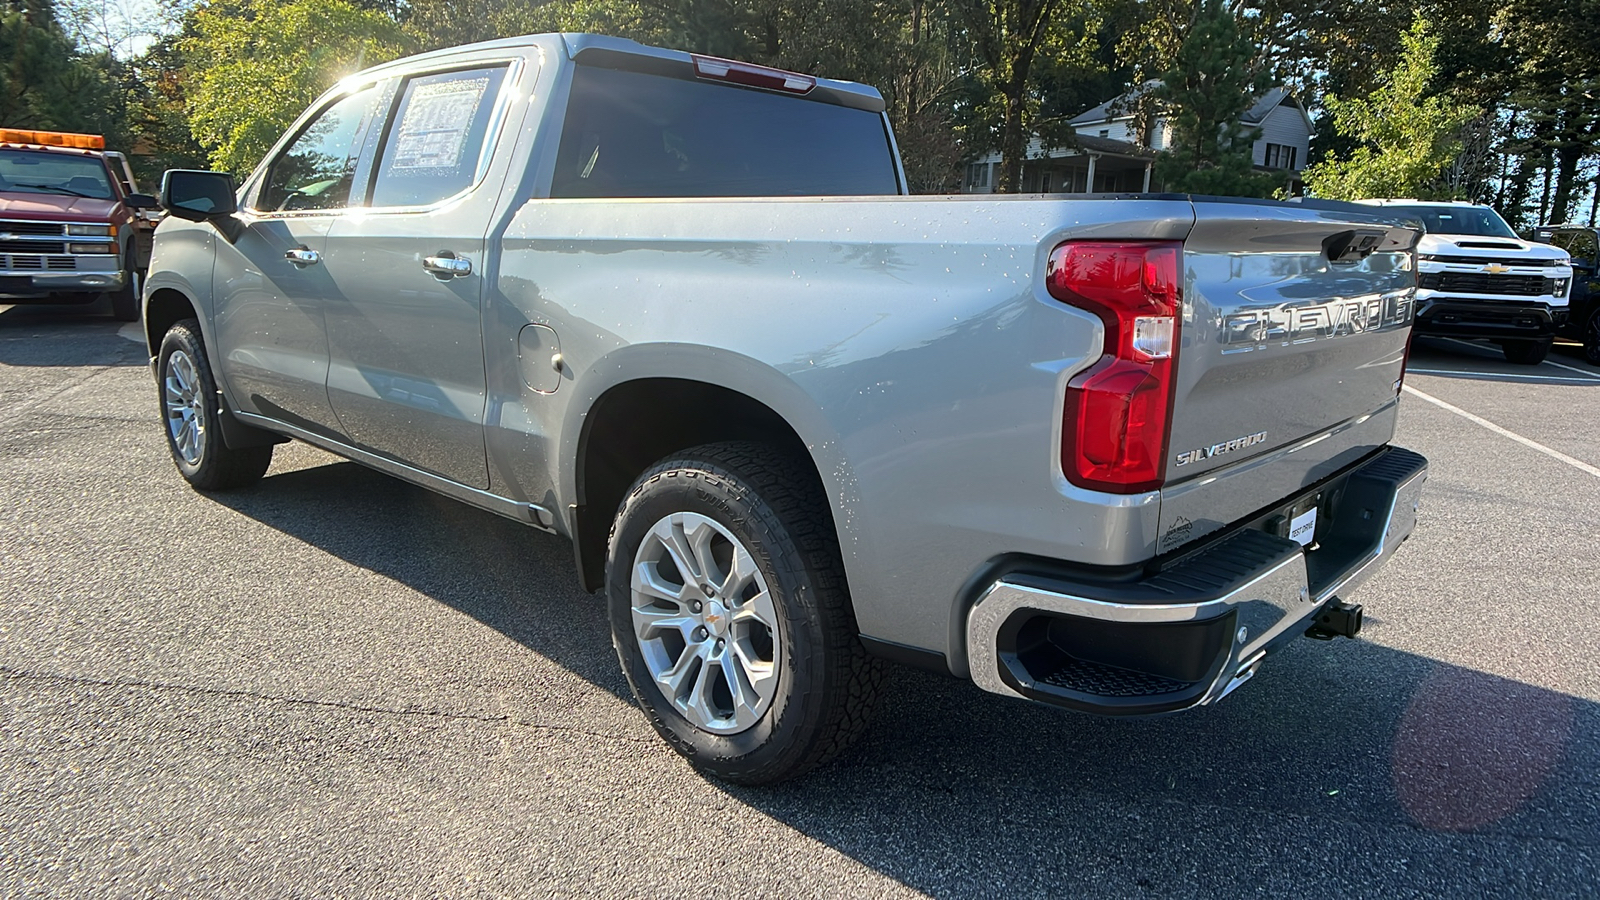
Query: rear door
x,y
1294,330
405,337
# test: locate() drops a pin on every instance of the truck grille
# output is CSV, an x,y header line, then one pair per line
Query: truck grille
x,y
32,247
61,262
26,262
1478,283
52,229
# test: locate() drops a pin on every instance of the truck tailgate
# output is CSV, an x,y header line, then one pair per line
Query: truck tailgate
x,y
1295,322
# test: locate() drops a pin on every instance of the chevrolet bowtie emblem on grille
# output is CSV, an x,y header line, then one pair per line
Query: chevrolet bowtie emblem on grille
x,y
1496,269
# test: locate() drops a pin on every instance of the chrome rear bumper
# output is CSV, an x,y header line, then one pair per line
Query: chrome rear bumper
x,y
1192,632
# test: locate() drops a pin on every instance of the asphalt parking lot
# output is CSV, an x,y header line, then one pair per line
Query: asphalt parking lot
x,y
335,684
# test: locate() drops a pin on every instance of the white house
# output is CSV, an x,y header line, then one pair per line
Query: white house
x,y
1110,158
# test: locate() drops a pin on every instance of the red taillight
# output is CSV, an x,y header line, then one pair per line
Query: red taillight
x,y
752,76
1114,435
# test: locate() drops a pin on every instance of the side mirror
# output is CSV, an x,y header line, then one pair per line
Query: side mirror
x,y
198,196
139,201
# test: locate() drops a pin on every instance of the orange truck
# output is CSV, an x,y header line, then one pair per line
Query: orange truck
x,y
73,226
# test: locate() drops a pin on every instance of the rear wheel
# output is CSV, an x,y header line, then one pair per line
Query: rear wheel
x,y
192,411
731,618
1526,353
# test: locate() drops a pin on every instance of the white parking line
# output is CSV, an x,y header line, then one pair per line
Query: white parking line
x,y
1584,372
1578,464
1500,376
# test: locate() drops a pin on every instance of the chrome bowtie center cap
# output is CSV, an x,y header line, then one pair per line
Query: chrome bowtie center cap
x,y
716,618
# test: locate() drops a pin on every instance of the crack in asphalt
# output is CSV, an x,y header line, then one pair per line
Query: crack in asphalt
x,y
21,675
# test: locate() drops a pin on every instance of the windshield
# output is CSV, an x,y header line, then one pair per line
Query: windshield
x,y
63,174
1479,221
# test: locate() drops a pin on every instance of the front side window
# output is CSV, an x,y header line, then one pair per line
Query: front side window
x,y
435,147
317,170
42,172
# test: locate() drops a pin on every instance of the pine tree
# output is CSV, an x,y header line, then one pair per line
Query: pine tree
x,y
1214,80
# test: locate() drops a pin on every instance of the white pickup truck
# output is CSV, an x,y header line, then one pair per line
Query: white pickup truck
x,y
1101,453
1477,279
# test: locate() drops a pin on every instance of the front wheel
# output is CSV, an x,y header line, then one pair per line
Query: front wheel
x,y
1526,353
192,411
730,615
125,300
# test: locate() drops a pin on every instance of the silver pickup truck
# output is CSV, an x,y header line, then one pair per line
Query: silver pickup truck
x,y
1103,453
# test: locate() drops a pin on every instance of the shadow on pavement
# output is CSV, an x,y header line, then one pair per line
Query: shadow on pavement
x,y
65,336
1439,357
1342,769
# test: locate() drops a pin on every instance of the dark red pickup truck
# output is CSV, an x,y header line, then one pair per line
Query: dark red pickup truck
x,y
70,223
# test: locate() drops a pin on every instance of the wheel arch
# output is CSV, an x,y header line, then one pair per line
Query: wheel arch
x,y
636,422
164,308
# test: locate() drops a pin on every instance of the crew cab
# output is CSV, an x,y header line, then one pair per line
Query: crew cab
x,y
69,222
1477,279
1102,453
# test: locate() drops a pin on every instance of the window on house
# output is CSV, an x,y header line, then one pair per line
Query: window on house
x,y
1105,132
1280,156
978,175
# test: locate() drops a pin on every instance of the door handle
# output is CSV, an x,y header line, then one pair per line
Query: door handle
x,y
447,265
303,256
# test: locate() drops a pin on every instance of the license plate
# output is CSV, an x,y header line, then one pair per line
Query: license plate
x,y
1303,528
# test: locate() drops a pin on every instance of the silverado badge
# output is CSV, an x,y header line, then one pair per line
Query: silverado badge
x,y
1204,453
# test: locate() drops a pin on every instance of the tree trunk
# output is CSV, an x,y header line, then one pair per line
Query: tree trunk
x,y
1567,159
1013,140
1544,197
1594,199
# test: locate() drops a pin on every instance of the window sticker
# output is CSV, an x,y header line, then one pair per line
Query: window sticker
x,y
433,133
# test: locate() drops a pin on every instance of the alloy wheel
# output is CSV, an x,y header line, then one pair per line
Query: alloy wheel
x,y
706,624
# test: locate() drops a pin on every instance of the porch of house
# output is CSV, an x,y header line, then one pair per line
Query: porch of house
x,y
1088,173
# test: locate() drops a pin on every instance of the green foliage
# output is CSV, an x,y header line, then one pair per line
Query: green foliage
x,y
1014,43
1408,136
260,63
1215,78
157,85
45,82
961,77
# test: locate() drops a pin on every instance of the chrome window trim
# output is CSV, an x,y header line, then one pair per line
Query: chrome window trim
x,y
250,191
497,118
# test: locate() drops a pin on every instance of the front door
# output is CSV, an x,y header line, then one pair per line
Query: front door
x,y
270,288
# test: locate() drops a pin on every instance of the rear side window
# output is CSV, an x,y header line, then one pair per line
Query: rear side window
x,y
629,134
435,146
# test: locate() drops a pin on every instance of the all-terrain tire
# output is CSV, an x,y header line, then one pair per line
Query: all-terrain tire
x,y
191,413
764,502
